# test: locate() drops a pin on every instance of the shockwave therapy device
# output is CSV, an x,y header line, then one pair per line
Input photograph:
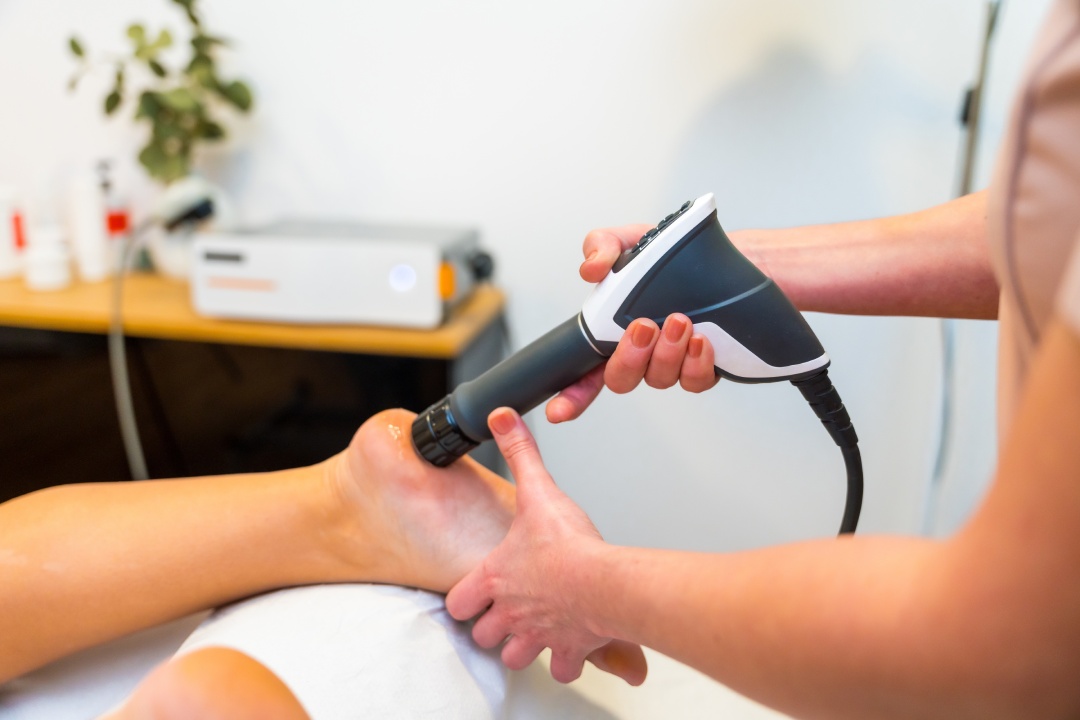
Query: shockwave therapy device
x,y
685,264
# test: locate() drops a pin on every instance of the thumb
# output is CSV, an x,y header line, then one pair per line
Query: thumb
x,y
519,448
622,659
573,399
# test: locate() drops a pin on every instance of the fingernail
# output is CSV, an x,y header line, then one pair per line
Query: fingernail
x,y
673,329
697,344
501,421
643,335
592,255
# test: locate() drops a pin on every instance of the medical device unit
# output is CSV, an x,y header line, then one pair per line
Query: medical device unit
x,y
685,264
336,272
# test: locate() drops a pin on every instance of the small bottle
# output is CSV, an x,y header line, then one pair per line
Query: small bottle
x,y
47,258
86,225
11,235
117,216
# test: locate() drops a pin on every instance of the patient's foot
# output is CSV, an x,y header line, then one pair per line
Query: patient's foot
x,y
416,524
211,684
422,526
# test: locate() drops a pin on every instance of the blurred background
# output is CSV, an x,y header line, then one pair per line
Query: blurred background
x,y
537,122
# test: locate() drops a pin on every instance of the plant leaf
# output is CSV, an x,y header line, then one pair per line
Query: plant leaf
x,y
176,167
180,99
137,33
164,40
76,47
153,158
203,44
157,68
209,130
164,166
238,94
168,127
112,101
201,70
149,105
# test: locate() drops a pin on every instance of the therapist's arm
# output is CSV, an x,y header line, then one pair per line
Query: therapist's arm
x,y
931,263
983,625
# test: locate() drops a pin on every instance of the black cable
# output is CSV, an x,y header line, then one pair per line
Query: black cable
x,y
853,505
825,401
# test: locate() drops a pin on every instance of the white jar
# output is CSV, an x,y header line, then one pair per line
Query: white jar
x,y
48,262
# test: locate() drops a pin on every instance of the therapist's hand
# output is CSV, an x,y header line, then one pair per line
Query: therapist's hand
x,y
675,354
528,588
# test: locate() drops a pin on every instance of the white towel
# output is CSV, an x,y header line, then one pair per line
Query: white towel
x,y
363,651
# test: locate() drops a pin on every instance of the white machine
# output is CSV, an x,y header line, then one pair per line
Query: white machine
x,y
321,272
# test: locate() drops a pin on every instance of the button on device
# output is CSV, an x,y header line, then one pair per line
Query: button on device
x,y
648,237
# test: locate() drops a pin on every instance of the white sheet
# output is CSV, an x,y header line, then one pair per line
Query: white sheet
x,y
364,651
408,621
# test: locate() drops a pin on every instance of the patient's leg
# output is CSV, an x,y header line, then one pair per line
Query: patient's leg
x,y
211,684
413,524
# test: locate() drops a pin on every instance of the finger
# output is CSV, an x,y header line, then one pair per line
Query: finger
x,y
627,365
669,352
518,654
621,659
491,629
572,401
603,247
566,667
470,596
698,372
519,448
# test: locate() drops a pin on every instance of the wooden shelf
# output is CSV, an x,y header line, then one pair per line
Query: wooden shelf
x,y
157,307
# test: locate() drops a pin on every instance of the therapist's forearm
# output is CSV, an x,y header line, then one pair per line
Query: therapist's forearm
x,y
933,263
983,625
809,629
80,564
843,629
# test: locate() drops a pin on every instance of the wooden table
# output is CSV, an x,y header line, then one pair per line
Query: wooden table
x,y
157,307
212,396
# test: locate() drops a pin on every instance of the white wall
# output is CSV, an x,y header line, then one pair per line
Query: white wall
x,y
539,121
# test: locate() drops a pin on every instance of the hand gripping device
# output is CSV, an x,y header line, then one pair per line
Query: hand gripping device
x,y
685,264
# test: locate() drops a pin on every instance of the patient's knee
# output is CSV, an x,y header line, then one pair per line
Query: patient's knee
x,y
212,683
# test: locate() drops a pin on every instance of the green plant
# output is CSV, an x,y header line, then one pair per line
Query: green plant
x,y
180,105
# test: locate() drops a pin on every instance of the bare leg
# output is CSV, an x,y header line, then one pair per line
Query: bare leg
x,y
414,525
211,684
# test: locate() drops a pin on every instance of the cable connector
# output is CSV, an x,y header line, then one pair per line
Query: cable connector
x,y
827,405
823,398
